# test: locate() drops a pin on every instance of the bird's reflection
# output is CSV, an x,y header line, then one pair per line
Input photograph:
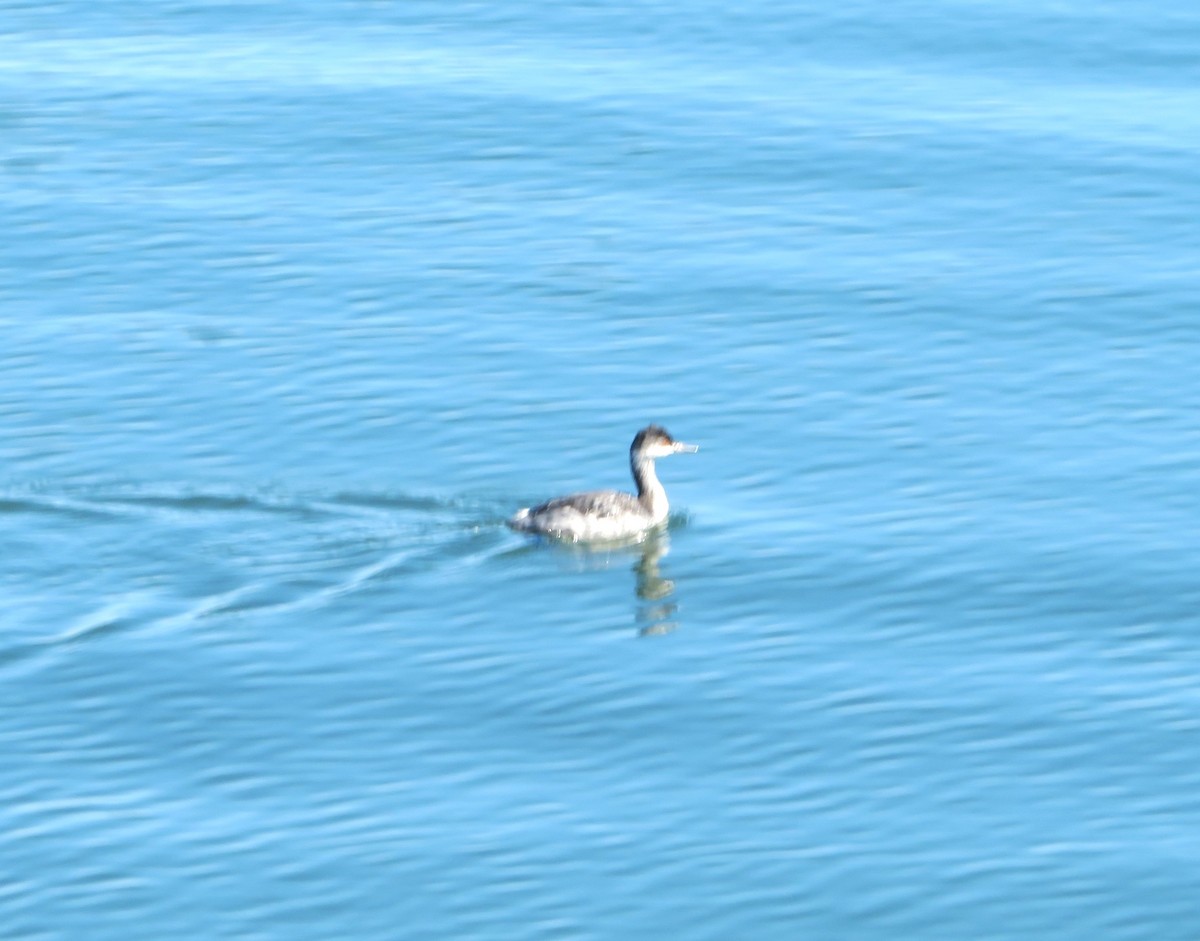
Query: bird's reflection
x,y
654,605
655,609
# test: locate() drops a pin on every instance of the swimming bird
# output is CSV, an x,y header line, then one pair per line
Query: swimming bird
x,y
610,514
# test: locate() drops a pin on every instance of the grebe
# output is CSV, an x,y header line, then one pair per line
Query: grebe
x,y
610,514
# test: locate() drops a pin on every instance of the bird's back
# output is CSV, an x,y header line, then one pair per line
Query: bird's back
x,y
597,514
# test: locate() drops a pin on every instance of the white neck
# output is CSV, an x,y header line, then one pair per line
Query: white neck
x,y
651,493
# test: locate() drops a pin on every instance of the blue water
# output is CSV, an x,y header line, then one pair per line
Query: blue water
x,y
299,301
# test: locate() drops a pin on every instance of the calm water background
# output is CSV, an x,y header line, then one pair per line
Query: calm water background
x,y
298,301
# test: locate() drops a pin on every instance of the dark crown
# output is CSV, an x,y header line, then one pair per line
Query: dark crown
x,y
651,433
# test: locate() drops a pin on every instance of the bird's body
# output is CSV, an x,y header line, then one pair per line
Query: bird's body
x,y
610,514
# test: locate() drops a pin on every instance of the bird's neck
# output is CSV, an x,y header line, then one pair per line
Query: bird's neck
x,y
650,492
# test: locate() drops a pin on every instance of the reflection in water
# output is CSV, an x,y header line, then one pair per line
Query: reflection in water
x,y
656,610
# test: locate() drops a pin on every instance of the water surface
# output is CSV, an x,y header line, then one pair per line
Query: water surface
x,y
299,302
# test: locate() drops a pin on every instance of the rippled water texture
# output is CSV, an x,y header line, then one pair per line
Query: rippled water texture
x,y
298,302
